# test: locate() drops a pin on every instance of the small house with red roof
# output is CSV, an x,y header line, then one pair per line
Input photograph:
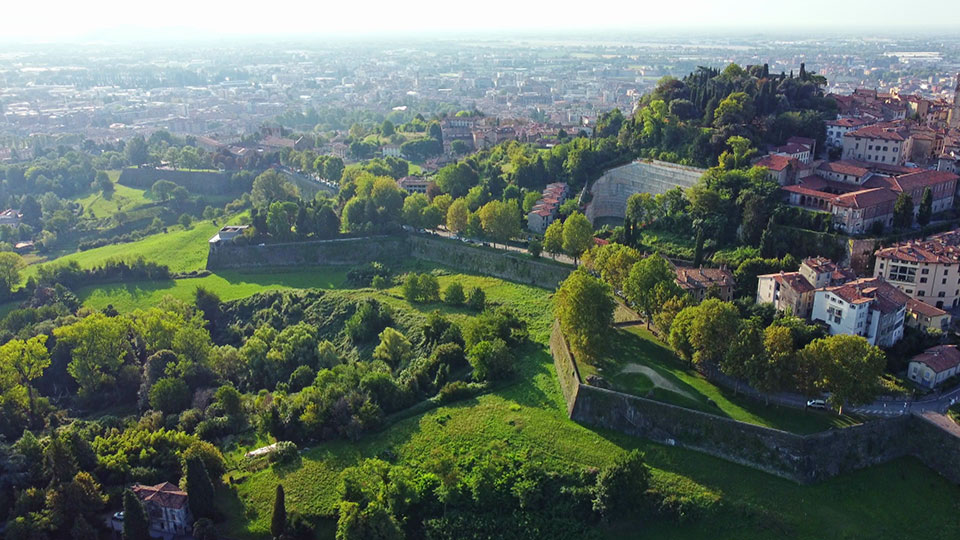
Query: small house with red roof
x,y
934,365
867,307
167,508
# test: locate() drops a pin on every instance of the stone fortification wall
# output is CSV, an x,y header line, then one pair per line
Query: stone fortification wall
x,y
391,250
611,191
802,458
200,182
506,265
345,251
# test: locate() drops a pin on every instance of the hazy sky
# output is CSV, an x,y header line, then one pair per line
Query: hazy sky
x,y
65,20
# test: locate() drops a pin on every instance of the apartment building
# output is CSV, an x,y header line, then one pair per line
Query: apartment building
x,y
867,307
879,143
928,270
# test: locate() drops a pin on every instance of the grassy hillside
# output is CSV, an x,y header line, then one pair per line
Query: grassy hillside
x,y
719,499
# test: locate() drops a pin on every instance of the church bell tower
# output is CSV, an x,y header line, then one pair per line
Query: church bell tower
x,y
954,119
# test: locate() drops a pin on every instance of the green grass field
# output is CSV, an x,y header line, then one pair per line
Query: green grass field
x,y
124,199
227,284
641,365
721,500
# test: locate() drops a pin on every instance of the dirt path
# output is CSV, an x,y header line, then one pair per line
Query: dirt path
x,y
656,379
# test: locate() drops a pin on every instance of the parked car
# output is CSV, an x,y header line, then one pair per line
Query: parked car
x,y
118,516
817,404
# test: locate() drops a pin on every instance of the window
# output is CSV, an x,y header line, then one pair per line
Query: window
x,y
925,271
899,272
921,293
941,294
923,280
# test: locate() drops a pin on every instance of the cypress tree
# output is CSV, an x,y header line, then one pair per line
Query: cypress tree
x,y
926,208
278,523
135,525
199,489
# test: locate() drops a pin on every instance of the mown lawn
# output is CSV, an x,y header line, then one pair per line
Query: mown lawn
x,y
664,377
124,198
183,250
720,499
227,284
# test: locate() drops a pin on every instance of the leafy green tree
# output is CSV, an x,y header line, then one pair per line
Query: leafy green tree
x,y
136,151
453,294
98,345
850,368
553,238
530,200
162,190
622,485
82,530
394,348
200,489
185,221
457,179
903,211
476,299
584,306
387,128
737,108
281,216
135,524
457,215
170,396
203,529
104,184
491,360
271,186
535,248
278,520
650,283
577,235
26,360
926,208
413,207
333,169
500,220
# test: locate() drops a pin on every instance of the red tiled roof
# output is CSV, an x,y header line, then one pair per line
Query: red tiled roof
x,y
848,122
866,198
940,248
887,297
696,278
878,132
775,162
844,167
939,358
923,308
166,495
925,178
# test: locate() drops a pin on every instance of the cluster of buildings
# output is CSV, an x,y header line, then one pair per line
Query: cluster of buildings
x,y
885,145
914,284
545,211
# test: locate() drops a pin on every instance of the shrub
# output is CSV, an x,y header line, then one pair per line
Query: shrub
x,y
457,390
285,453
453,295
170,395
476,299
491,360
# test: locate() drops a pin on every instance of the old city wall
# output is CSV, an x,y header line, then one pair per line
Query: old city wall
x,y
802,458
347,251
199,182
506,265
611,191
390,250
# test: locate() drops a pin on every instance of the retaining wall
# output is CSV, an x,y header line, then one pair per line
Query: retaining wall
x,y
198,182
391,250
802,458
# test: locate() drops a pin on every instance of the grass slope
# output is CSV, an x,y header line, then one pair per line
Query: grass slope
x,y
666,378
721,500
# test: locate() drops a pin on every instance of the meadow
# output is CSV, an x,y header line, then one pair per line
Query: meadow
x,y
717,499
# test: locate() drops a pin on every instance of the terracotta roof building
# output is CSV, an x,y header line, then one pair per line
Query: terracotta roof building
x,y
928,270
701,281
934,365
166,506
868,307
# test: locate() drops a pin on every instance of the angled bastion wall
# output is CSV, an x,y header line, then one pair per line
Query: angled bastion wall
x,y
611,191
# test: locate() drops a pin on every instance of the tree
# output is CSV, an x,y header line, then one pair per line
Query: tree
x,y
162,190
457,215
491,360
577,235
136,151
530,200
413,207
535,248
926,207
199,488
903,211
650,283
584,306
622,485
278,521
135,524
281,216
271,186
500,220
453,295
737,108
459,147
333,169
98,345
710,333
394,348
104,184
82,530
203,529
553,238
170,395
457,179
27,359
850,368
476,299
185,220
387,129
10,266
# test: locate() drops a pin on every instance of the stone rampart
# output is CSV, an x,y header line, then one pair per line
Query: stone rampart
x,y
802,458
611,191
